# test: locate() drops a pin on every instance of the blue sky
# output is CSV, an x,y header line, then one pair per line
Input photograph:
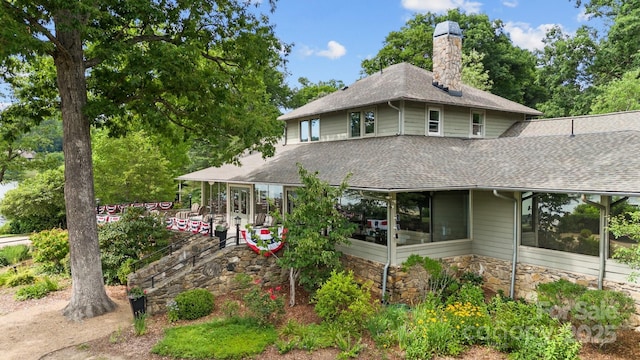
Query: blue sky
x,y
332,37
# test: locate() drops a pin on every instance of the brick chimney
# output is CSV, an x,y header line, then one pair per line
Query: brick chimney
x,y
447,57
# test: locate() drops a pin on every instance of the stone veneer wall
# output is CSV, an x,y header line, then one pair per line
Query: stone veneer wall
x,y
409,287
213,270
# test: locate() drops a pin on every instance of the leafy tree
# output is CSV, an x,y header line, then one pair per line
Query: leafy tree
x,y
127,240
564,71
473,71
130,168
509,68
627,224
199,65
37,203
619,95
314,227
310,91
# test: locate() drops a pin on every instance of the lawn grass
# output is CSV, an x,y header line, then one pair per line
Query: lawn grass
x,y
220,339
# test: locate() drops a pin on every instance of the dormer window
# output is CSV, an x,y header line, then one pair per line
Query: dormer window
x,y
362,123
434,121
477,123
310,130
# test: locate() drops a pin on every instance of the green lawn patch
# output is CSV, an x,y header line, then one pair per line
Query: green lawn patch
x,y
221,339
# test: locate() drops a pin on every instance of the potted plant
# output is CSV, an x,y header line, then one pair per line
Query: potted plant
x,y
221,233
138,300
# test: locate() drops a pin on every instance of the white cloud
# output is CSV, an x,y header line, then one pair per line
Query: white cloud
x,y
511,4
334,50
305,51
525,36
583,16
4,105
440,6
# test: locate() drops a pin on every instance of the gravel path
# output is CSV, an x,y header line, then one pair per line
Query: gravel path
x,y
32,329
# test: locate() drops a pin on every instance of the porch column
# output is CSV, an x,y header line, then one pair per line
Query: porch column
x,y
392,233
604,236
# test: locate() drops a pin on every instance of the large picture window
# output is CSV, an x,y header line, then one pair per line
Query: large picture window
x,y
560,222
368,210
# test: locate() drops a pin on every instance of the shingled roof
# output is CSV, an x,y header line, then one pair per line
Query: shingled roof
x,y
601,163
403,82
587,124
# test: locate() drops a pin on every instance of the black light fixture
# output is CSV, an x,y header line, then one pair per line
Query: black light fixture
x,y
236,221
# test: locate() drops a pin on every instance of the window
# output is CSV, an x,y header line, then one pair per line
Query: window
x,y
310,129
477,123
560,222
434,122
362,122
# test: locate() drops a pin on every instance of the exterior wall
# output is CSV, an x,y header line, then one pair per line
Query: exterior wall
x,y
492,225
387,120
414,118
498,122
563,261
436,250
456,121
333,126
365,250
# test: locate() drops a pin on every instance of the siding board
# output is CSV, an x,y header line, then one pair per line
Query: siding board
x,y
492,227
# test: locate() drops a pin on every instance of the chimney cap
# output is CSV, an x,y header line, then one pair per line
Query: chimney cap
x,y
447,28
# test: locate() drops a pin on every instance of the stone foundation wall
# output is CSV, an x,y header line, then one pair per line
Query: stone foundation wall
x,y
213,270
409,287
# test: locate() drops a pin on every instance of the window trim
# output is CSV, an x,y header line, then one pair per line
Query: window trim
x,y
428,121
363,126
483,125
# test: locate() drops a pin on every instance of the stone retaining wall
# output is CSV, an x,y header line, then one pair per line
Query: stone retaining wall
x,y
214,270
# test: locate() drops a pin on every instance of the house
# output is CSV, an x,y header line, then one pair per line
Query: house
x,y
444,170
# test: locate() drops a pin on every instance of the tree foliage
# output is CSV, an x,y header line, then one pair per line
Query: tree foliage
x,y
619,95
37,203
202,66
627,225
309,91
510,69
314,227
130,168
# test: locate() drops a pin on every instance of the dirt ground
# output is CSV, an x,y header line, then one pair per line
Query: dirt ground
x,y
36,329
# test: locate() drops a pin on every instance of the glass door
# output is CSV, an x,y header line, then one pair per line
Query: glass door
x,y
240,198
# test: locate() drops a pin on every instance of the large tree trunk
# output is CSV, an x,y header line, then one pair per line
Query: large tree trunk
x,y
88,298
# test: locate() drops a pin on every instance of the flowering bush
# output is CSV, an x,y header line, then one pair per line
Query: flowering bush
x,y
266,306
443,330
136,292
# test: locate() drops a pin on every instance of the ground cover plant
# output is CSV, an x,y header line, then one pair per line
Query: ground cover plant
x,y
234,338
14,254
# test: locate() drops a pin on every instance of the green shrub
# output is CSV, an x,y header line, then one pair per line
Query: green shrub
x,y
469,277
603,308
266,306
140,324
37,203
441,280
38,290
343,301
548,344
130,238
51,247
383,325
513,320
468,293
14,254
194,304
22,277
3,260
305,337
558,297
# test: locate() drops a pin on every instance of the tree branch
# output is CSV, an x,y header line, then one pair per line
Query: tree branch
x,y
33,22
172,111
